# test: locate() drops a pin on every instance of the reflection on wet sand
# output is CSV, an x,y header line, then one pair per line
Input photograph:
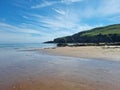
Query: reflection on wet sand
x,y
33,71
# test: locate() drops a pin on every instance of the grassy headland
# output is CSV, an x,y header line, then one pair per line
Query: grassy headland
x,y
107,34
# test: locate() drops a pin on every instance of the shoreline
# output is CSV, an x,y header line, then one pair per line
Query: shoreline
x,y
109,53
32,70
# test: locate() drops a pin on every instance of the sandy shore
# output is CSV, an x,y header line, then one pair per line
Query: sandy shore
x,y
56,84
26,70
90,52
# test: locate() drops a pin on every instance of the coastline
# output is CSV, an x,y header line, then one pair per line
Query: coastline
x,y
110,53
29,70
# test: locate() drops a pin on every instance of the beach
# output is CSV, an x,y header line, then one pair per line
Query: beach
x,y
90,52
59,44
51,69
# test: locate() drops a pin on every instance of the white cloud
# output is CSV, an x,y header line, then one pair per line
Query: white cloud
x,y
21,33
16,29
59,11
110,7
25,17
44,4
102,9
64,19
51,3
70,1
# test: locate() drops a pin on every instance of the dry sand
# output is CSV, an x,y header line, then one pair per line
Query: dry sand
x,y
90,52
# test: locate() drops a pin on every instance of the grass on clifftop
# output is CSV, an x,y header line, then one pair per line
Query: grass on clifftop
x,y
112,29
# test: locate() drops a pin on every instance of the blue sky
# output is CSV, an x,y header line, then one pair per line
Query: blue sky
x,y
23,21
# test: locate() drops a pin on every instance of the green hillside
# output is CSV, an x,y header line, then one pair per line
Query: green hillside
x,y
106,34
112,29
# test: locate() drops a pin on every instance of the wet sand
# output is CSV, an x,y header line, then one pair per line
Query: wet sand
x,y
56,84
25,70
93,52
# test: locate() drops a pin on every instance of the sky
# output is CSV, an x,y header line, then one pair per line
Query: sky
x,y
34,21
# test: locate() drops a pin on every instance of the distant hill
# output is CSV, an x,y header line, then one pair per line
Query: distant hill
x,y
107,34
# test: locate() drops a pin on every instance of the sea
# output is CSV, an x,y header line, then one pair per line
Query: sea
x,y
18,63
25,45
